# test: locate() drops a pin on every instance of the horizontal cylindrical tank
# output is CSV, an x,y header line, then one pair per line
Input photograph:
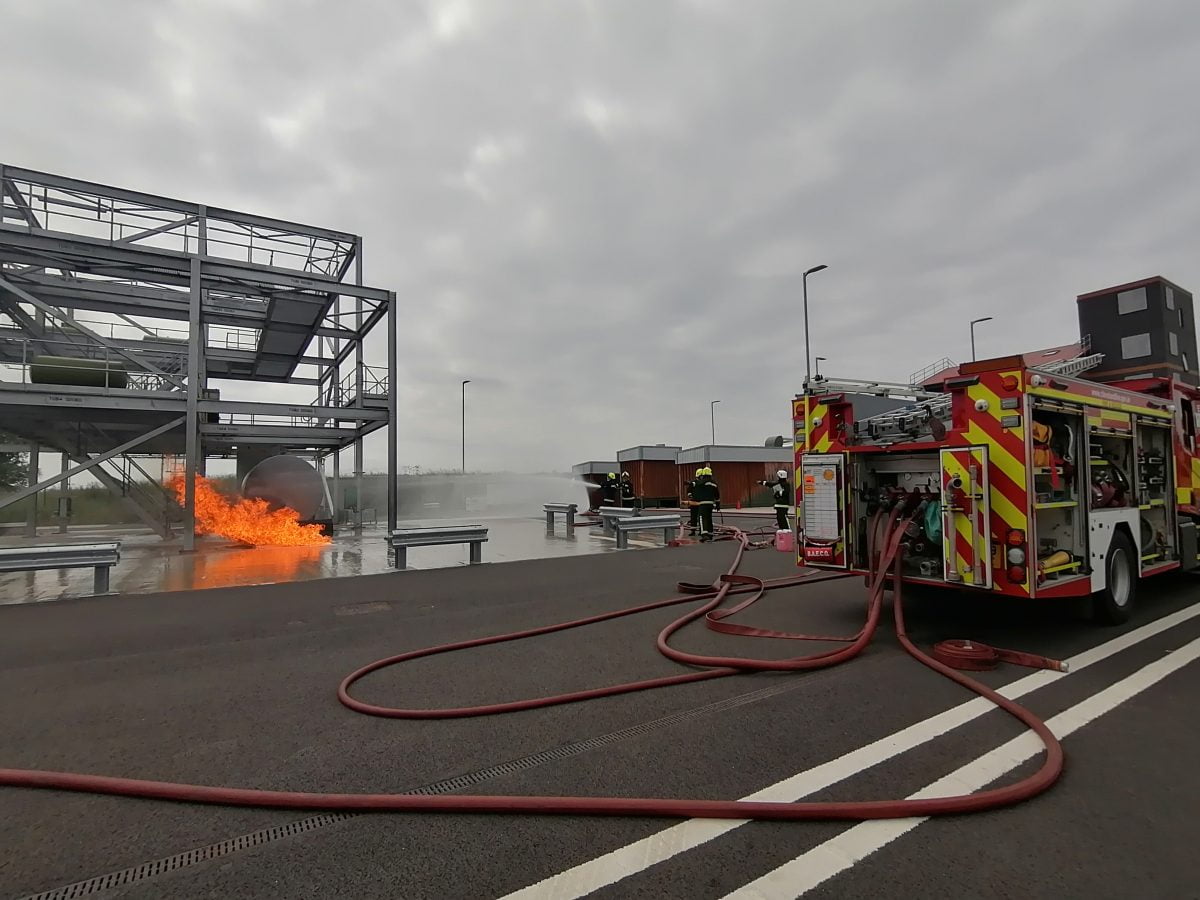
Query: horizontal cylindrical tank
x,y
286,481
77,372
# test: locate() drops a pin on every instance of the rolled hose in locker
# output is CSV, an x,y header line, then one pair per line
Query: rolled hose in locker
x,y
890,558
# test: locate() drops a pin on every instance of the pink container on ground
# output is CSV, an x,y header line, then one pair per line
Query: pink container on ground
x,y
785,541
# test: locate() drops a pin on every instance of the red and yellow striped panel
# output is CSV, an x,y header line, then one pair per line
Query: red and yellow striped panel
x,y
1188,472
1008,461
1109,420
820,436
1183,473
966,532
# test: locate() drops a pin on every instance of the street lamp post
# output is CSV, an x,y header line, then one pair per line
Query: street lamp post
x,y
466,381
807,343
712,414
807,354
975,322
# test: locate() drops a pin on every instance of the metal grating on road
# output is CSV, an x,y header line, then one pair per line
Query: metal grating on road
x,y
125,877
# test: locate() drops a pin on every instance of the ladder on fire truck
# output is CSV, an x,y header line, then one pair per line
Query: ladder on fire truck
x,y
926,406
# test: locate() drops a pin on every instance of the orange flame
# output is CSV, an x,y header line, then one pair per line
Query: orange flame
x,y
246,521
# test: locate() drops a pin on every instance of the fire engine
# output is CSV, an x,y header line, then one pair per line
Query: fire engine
x,y
1054,474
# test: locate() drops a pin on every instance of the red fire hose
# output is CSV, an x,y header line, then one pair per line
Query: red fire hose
x,y
890,552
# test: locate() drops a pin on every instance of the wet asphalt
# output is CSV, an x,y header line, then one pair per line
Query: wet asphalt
x,y
236,686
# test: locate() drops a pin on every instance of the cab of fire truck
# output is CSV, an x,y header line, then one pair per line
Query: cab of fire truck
x,y
1011,476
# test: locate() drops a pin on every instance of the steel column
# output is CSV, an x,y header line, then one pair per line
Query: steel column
x,y
337,484
393,501
66,493
192,419
32,477
358,373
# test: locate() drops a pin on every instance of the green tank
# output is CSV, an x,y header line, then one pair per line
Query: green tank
x,y
77,372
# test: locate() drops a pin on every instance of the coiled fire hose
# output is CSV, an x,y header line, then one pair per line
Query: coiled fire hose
x,y
890,552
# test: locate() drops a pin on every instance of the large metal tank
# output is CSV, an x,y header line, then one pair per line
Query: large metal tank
x,y
286,481
77,372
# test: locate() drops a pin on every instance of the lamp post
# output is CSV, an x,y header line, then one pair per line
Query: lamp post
x,y
807,353
975,322
466,381
807,343
712,415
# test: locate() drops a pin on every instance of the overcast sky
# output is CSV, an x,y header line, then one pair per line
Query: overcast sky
x,y
599,211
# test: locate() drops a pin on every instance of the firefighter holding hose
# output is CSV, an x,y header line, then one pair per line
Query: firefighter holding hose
x,y
610,491
781,491
707,496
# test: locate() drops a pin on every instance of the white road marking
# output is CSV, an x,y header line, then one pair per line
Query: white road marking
x,y
583,879
826,860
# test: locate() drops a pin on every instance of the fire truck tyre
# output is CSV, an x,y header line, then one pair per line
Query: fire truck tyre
x,y
1114,604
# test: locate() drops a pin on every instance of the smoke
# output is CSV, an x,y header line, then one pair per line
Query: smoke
x,y
491,495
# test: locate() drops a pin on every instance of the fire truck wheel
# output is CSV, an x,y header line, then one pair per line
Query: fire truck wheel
x,y
1114,604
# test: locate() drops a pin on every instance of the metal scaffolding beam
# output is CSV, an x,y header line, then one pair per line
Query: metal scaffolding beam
x,y
32,489
258,297
62,316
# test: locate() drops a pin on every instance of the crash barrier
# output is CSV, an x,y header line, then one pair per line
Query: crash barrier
x,y
100,557
403,538
567,510
610,514
669,525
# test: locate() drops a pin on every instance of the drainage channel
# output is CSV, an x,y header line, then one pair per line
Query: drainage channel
x,y
134,874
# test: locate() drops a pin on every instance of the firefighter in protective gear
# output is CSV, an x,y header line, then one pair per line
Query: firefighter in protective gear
x,y
781,491
691,499
628,496
708,496
610,491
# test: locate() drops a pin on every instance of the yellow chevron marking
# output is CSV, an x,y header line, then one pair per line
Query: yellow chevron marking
x,y
1000,457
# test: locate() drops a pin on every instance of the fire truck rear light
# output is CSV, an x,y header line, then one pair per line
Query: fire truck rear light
x,y
1010,382
1016,557
1016,574
1016,537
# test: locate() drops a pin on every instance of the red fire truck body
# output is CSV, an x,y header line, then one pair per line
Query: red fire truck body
x,y
1020,480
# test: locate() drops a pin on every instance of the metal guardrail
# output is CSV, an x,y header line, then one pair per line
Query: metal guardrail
x,y
624,526
567,510
102,557
403,538
918,378
610,514
85,209
345,392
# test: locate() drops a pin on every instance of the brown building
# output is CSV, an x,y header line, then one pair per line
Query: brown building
x,y
652,469
737,471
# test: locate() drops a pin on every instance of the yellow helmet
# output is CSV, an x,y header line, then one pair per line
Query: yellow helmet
x,y
699,471
708,470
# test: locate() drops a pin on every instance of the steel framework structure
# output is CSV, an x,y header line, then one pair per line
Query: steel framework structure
x,y
163,297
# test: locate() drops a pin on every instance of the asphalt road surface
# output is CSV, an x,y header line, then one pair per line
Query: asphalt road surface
x,y
236,687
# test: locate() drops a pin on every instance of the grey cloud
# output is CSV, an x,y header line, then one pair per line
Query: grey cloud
x,y
598,211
